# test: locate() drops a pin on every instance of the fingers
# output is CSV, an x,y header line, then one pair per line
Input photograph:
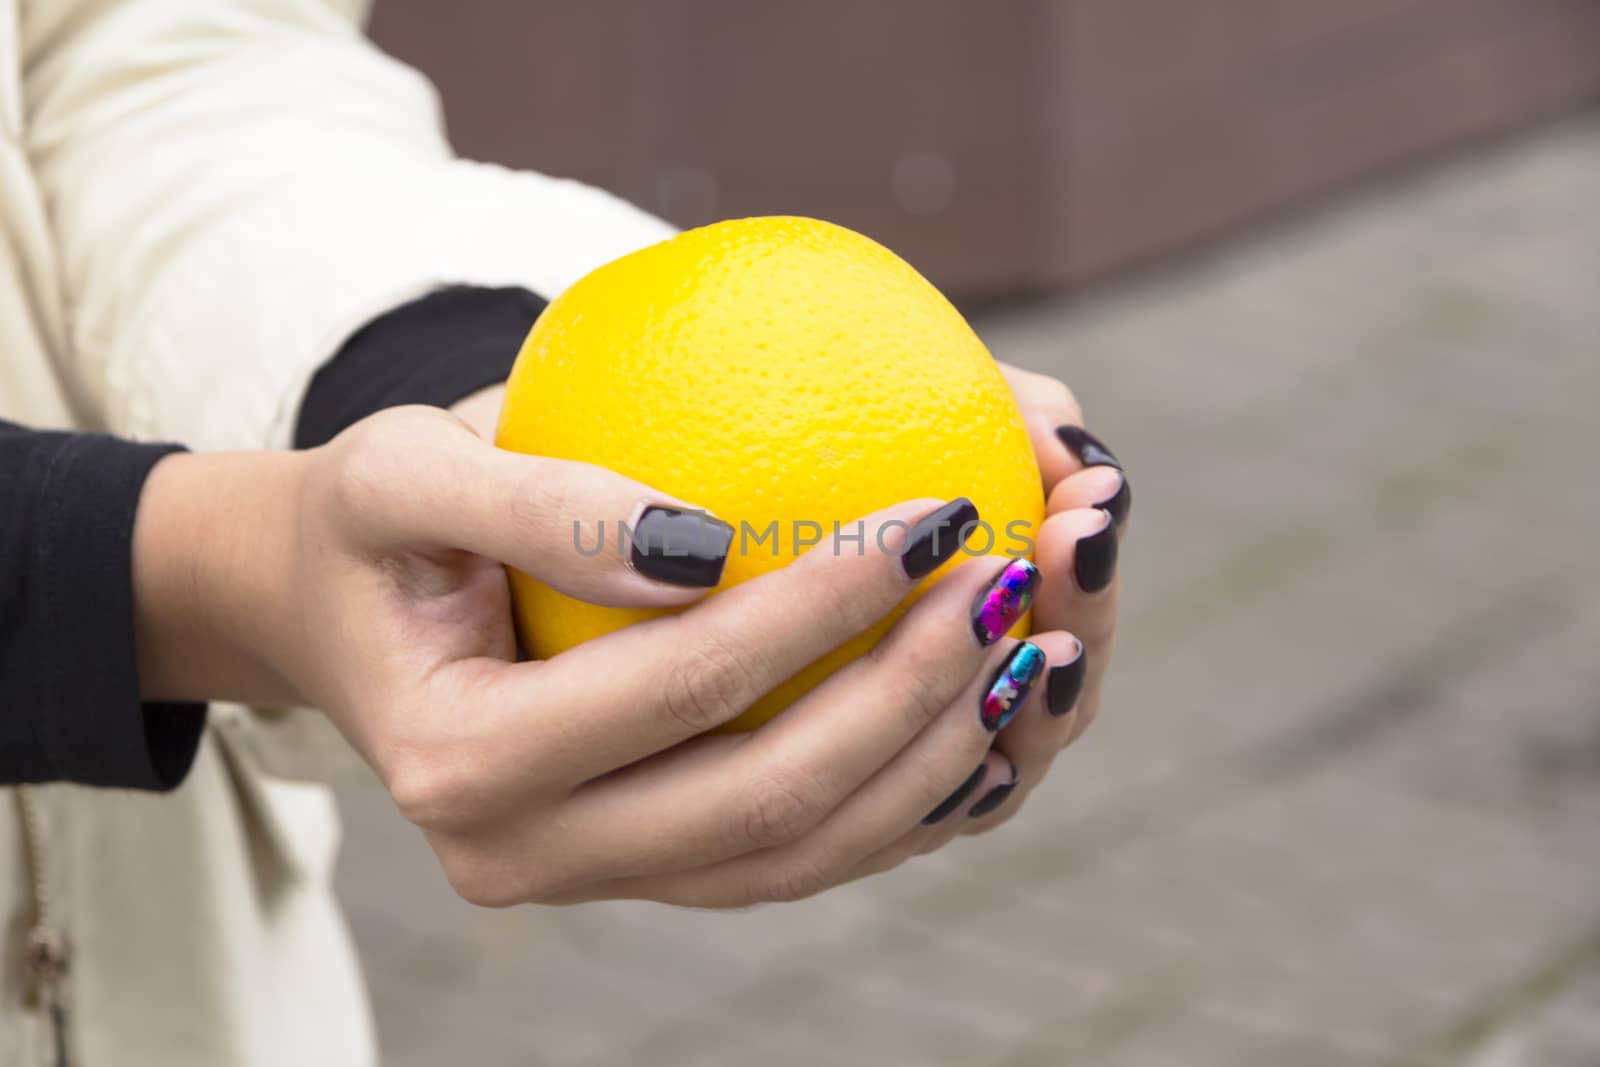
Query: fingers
x,y
780,782
1071,693
876,816
992,782
639,690
1034,739
1081,548
417,480
1103,487
1079,593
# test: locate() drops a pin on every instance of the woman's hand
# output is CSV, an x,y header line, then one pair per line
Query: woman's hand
x,y
365,578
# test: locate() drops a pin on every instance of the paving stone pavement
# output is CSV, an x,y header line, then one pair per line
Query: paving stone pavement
x,y
1343,807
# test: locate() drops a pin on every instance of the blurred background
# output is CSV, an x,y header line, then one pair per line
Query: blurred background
x,y
1327,277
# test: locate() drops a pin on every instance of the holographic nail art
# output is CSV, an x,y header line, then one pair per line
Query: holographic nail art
x,y
1006,599
1011,685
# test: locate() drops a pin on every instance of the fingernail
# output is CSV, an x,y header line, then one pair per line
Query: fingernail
x,y
680,547
1010,686
1004,601
1118,503
1094,561
1063,685
1089,449
953,801
936,538
996,796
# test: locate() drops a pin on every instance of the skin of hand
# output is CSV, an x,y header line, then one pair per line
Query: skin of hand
x,y
365,577
1086,492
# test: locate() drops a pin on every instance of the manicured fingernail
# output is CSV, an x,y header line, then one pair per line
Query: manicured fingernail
x,y
1005,600
936,538
1089,449
680,547
953,801
996,796
1118,503
1010,686
1094,561
1063,685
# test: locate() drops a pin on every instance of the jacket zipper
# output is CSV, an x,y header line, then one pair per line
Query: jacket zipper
x,y
48,953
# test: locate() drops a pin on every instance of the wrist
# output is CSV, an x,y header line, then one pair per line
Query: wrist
x,y
212,576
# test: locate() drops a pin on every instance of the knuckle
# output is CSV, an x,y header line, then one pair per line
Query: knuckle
x,y
482,881
926,675
781,808
434,791
478,884
839,594
851,599
496,871
712,682
420,795
924,696
362,470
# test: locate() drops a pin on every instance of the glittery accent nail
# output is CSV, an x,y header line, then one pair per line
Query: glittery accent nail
x,y
1011,685
1004,601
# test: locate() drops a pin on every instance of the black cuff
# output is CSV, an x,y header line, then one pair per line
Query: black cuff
x,y
435,351
73,670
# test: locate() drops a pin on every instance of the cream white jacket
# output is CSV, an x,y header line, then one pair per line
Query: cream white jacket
x,y
199,200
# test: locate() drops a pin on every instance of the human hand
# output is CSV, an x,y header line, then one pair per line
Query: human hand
x,y
1088,502
365,577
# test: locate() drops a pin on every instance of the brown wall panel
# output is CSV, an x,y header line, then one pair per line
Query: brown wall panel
x,y
1000,145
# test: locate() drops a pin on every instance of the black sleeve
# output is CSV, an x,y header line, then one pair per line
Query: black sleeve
x,y
69,684
436,350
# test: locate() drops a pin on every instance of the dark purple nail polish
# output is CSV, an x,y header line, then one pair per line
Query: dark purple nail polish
x,y
996,796
680,547
1118,503
937,537
1010,686
1094,561
1005,600
953,801
1064,684
1089,449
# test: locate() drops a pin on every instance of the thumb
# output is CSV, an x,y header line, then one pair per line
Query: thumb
x,y
426,482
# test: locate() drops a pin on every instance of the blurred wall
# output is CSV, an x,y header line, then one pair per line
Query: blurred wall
x,y
1002,146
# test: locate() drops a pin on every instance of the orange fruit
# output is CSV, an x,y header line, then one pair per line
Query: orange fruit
x,y
768,370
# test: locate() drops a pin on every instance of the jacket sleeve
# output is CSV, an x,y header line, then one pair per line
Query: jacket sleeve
x,y
69,682
237,186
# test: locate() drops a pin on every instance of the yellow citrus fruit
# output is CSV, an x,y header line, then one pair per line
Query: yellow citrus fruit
x,y
769,370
